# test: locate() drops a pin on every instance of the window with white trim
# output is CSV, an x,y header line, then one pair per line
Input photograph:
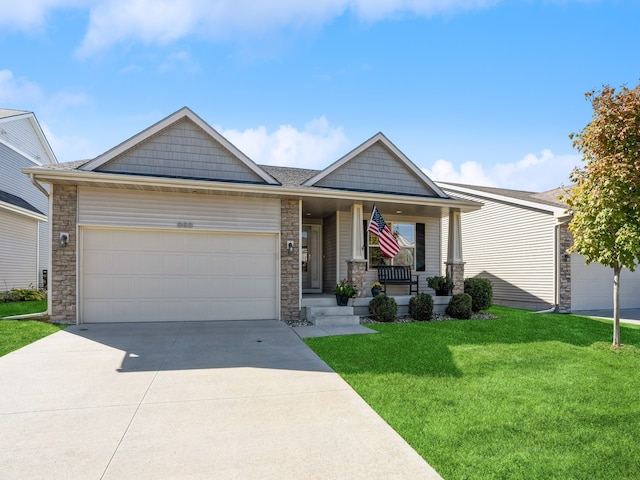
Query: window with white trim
x,y
405,233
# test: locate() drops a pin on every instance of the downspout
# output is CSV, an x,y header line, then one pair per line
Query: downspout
x,y
38,185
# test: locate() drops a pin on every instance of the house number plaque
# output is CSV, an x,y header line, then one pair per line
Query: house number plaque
x,y
185,224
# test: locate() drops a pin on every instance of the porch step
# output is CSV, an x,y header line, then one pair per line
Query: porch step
x,y
323,316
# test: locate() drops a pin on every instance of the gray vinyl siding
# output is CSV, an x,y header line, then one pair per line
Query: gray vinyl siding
x,y
132,209
329,248
376,169
21,135
13,181
183,150
17,251
511,245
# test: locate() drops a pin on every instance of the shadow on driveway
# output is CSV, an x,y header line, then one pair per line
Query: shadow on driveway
x,y
202,345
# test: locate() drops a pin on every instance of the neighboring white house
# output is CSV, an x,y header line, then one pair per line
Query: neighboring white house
x,y
519,241
23,207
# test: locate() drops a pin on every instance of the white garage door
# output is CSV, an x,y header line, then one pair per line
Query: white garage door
x,y
150,276
592,286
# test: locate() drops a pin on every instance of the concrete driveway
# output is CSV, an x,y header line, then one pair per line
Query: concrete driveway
x,y
188,400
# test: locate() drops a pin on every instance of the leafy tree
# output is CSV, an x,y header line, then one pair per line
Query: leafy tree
x,y
605,197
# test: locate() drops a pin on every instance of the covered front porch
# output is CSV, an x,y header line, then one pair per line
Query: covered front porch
x,y
334,244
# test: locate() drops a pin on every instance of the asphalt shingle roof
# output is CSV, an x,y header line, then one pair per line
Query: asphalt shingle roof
x,y
17,201
549,197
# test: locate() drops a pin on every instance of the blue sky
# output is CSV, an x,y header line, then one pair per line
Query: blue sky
x,y
475,91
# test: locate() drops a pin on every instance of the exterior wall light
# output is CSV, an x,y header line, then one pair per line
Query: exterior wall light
x,y
290,246
64,238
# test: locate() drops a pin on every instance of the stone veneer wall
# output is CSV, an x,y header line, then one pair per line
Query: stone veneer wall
x,y
356,273
289,262
455,271
566,241
64,218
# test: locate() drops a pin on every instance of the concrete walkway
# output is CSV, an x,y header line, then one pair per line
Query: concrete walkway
x,y
188,400
627,315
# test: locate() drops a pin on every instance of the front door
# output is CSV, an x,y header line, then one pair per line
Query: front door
x,y
311,259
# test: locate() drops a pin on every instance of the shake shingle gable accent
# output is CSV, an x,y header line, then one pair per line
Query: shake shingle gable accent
x,y
181,146
377,165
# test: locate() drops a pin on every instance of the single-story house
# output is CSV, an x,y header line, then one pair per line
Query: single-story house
x,y
519,241
24,233
176,223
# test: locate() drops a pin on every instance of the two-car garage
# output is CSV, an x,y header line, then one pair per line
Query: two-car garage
x,y
147,256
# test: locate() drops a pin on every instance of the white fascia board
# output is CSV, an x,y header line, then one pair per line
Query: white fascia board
x,y
558,212
76,176
39,133
43,139
184,112
378,137
23,211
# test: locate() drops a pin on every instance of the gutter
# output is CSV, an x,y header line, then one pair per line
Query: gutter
x,y
39,186
266,190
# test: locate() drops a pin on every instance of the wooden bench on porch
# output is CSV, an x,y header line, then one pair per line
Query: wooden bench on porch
x,y
397,275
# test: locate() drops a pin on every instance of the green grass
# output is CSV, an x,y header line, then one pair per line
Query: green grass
x,y
524,396
15,334
22,308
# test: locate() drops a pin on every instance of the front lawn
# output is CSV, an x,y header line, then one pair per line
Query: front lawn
x,y
22,308
523,396
15,334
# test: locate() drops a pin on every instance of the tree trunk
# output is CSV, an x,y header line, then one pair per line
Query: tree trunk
x,y
616,305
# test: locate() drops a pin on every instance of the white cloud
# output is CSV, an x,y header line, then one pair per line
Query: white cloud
x,y
28,15
69,147
316,146
16,91
22,93
470,172
180,59
161,22
532,172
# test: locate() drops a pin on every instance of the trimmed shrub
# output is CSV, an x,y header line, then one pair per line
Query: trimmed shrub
x,y
23,295
481,292
383,308
421,307
460,306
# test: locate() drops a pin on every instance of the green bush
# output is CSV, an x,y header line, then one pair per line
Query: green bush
x,y
460,306
383,308
481,292
23,295
421,307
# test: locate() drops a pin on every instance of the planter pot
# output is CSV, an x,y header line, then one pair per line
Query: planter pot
x,y
375,292
342,300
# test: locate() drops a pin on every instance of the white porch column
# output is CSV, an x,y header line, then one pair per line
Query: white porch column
x,y
455,263
357,237
357,265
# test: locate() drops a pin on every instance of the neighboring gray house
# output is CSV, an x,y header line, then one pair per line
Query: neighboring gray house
x,y
177,224
23,207
519,241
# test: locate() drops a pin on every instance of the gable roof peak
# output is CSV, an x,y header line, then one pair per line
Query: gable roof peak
x,y
176,117
395,151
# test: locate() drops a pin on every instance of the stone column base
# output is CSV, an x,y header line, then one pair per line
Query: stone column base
x,y
455,271
356,271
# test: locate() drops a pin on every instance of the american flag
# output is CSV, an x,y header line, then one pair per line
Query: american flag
x,y
388,244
